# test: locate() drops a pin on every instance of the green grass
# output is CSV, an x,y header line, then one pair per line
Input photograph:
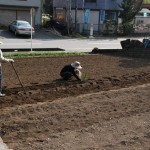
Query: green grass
x,y
40,54
84,77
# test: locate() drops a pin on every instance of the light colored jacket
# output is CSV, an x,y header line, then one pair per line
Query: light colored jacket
x,y
2,58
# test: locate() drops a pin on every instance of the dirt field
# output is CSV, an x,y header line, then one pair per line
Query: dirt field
x,y
109,111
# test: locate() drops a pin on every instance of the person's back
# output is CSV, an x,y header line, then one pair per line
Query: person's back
x,y
67,68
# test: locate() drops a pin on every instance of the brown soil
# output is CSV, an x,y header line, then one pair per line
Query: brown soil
x,y
54,114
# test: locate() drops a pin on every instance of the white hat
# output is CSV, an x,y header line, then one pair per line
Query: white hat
x,y
76,65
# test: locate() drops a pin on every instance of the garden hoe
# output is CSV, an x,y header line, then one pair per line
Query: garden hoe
x,y
18,77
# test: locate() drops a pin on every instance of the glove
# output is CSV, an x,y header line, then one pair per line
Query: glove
x,y
10,60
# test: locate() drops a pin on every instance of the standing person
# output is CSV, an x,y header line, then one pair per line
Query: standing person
x,y
70,70
2,59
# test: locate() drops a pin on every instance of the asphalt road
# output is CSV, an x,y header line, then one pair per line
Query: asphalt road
x,y
44,39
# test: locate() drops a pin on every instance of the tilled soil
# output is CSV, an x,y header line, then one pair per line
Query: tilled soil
x,y
53,114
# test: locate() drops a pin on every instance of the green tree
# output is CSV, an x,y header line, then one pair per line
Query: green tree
x,y
49,7
129,10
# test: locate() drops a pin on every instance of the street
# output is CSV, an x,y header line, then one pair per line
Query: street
x,y
48,40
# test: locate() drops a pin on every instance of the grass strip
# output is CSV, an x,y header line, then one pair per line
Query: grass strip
x,y
38,54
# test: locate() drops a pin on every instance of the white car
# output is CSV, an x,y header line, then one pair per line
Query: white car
x,y
20,27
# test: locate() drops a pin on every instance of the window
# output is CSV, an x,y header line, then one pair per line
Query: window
x,y
111,15
140,14
90,1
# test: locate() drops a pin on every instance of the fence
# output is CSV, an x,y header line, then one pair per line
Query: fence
x,y
97,28
140,29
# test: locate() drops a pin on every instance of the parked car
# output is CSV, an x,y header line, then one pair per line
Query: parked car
x,y
20,27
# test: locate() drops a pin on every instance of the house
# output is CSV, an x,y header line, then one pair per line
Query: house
x,y
142,19
11,10
86,13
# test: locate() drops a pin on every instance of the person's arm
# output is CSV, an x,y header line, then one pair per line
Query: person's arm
x,y
74,73
3,59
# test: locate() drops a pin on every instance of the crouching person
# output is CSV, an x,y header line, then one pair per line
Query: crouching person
x,y
2,59
70,70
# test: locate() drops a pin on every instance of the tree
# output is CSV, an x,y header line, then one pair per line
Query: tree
x,y
129,10
48,7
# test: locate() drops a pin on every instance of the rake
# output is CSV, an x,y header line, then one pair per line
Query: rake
x,y
18,77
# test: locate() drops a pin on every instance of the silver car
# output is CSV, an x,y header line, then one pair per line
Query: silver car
x,y
20,27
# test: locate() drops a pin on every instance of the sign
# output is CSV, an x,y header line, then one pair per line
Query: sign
x,y
86,15
102,16
145,14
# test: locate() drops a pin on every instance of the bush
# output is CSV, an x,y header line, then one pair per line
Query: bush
x,y
45,20
125,29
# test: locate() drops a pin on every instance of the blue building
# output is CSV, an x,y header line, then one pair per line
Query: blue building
x,y
86,13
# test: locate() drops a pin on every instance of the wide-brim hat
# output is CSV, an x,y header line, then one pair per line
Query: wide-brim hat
x,y
76,65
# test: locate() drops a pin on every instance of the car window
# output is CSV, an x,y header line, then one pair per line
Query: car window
x,y
14,23
24,24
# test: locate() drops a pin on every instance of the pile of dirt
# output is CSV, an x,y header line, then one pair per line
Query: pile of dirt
x,y
126,52
40,112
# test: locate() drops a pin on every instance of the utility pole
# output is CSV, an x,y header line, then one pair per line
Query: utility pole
x,y
76,8
83,4
32,14
69,15
83,7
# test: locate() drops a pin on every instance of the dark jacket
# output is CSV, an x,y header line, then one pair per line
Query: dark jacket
x,y
69,68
